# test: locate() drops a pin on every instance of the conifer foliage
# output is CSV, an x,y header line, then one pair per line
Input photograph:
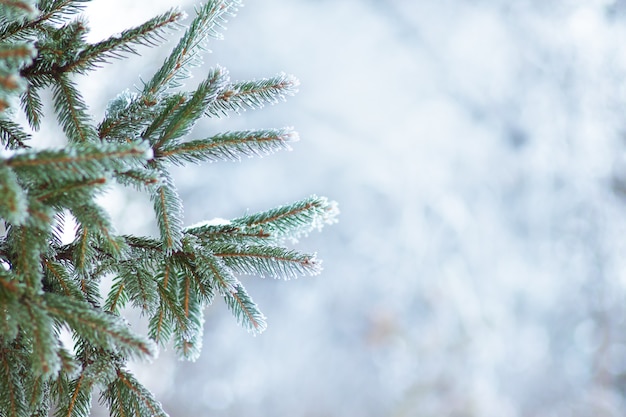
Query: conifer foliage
x,y
47,285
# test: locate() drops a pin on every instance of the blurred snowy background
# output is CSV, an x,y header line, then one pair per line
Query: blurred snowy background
x,y
476,148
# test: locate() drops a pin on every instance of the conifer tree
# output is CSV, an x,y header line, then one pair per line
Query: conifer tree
x,y
47,285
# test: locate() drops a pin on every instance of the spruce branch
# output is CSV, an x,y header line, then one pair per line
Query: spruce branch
x,y
13,57
188,337
74,389
71,110
33,106
138,285
68,194
213,272
169,211
14,202
39,329
99,328
149,33
196,270
59,280
27,247
255,94
182,119
17,9
47,285
118,296
78,162
99,231
169,313
37,388
163,111
293,220
12,136
56,10
290,221
16,55
125,396
267,261
206,24
83,250
141,179
230,146
245,310
12,394
78,400
126,116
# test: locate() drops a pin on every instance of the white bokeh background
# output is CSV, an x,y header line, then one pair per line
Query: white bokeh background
x,y
476,148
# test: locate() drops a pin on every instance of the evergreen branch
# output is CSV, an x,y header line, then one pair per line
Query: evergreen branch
x,y
140,179
267,261
16,55
72,112
96,369
117,297
80,398
17,27
39,216
51,12
38,390
83,250
10,85
12,311
292,220
229,146
53,9
144,244
212,270
125,397
188,338
9,284
99,328
27,246
209,18
255,94
183,119
147,34
245,310
79,162
93,218
139,285
168,317
169,212
60,280
14,202
32,106
127,115
12,136
17,31
167,107
17,9
13,57
67,195
12,401
46,285
39,328
275,225
232,234
169,309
